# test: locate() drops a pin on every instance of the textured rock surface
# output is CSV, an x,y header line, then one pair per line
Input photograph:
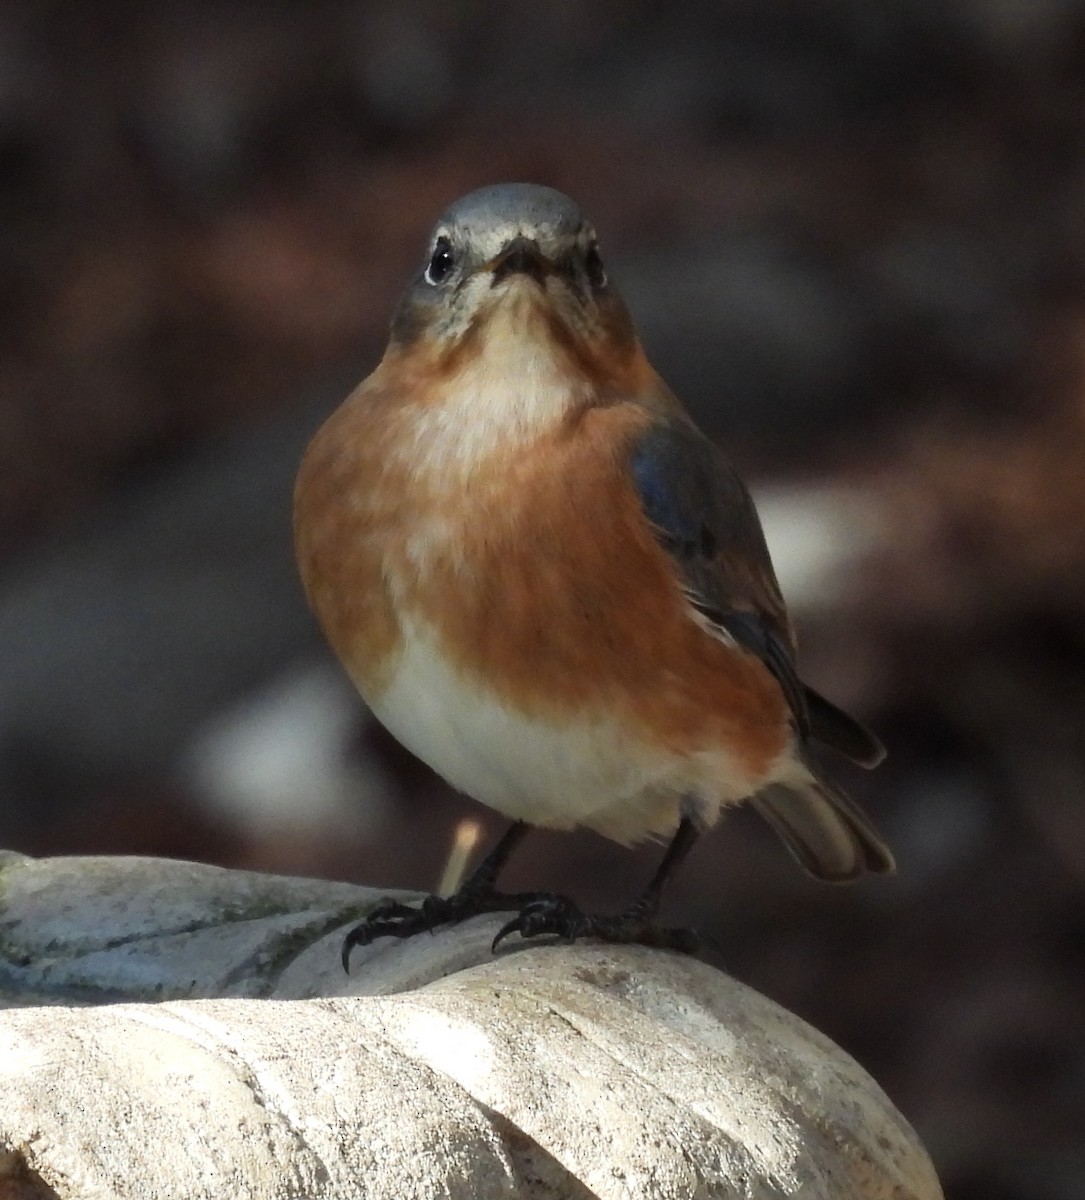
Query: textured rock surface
x,y
435,1069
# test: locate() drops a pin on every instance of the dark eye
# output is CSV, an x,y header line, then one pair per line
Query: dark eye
x,y
593,264
441,262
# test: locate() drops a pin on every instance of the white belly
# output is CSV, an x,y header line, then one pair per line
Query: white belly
x,y
589,771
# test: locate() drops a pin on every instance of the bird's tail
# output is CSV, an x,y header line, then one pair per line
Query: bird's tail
x,y
828,834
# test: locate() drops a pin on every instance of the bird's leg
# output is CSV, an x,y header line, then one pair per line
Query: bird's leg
x,y
646,904
477,894
558,915
482,879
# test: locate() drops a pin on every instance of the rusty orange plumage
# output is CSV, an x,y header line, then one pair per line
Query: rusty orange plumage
x,y
549,585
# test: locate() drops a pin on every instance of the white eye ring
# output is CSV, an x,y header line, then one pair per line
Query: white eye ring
x,y
441,262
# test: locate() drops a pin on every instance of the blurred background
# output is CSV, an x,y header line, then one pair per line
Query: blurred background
x,y
852,236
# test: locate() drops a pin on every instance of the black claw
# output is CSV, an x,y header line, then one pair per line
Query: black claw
x,y
358,936
542,915
560,917
391,918
539,914
504,931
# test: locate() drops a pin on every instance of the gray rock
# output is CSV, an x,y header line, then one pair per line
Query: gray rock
x,y
435,1069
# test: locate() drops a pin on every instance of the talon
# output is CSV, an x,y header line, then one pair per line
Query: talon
x,y
508,928
360,935
560,917
388,918
392,918
546,914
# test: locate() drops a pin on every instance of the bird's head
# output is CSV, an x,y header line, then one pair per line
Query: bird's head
x,y
513,262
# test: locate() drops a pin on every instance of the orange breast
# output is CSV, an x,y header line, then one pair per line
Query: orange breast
x,y
569,605
537,571
344,512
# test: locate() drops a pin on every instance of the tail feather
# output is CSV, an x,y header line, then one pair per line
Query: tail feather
x,y
846,735
828,834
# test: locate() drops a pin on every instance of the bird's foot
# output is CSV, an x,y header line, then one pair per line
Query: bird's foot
x,y
391,918
557,915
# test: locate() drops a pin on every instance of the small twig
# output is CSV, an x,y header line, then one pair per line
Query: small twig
x,y
464,841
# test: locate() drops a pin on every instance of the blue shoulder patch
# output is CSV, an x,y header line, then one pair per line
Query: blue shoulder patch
x,y
706,521
663,492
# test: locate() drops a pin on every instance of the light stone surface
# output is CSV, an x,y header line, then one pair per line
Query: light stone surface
x,y
176,1030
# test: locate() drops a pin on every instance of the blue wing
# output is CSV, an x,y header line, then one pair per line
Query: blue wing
x,y
705,518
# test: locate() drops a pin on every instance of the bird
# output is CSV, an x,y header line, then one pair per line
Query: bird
x,y
549,585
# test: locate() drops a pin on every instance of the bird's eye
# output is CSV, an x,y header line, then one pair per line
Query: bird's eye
x,y
593,264
441,262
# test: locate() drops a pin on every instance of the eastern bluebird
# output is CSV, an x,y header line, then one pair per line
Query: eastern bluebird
x,y
549,585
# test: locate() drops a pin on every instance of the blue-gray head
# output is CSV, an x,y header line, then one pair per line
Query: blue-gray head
x,y
489,246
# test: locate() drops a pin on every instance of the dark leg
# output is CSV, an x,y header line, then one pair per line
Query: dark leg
x,y
557,915
647,903
476,895
484,876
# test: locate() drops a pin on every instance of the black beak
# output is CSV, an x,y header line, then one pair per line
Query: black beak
x,y
521,256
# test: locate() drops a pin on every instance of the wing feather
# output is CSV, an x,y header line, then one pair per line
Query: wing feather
x,y
705,518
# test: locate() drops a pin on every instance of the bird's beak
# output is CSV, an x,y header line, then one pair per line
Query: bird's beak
x,y
521,256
